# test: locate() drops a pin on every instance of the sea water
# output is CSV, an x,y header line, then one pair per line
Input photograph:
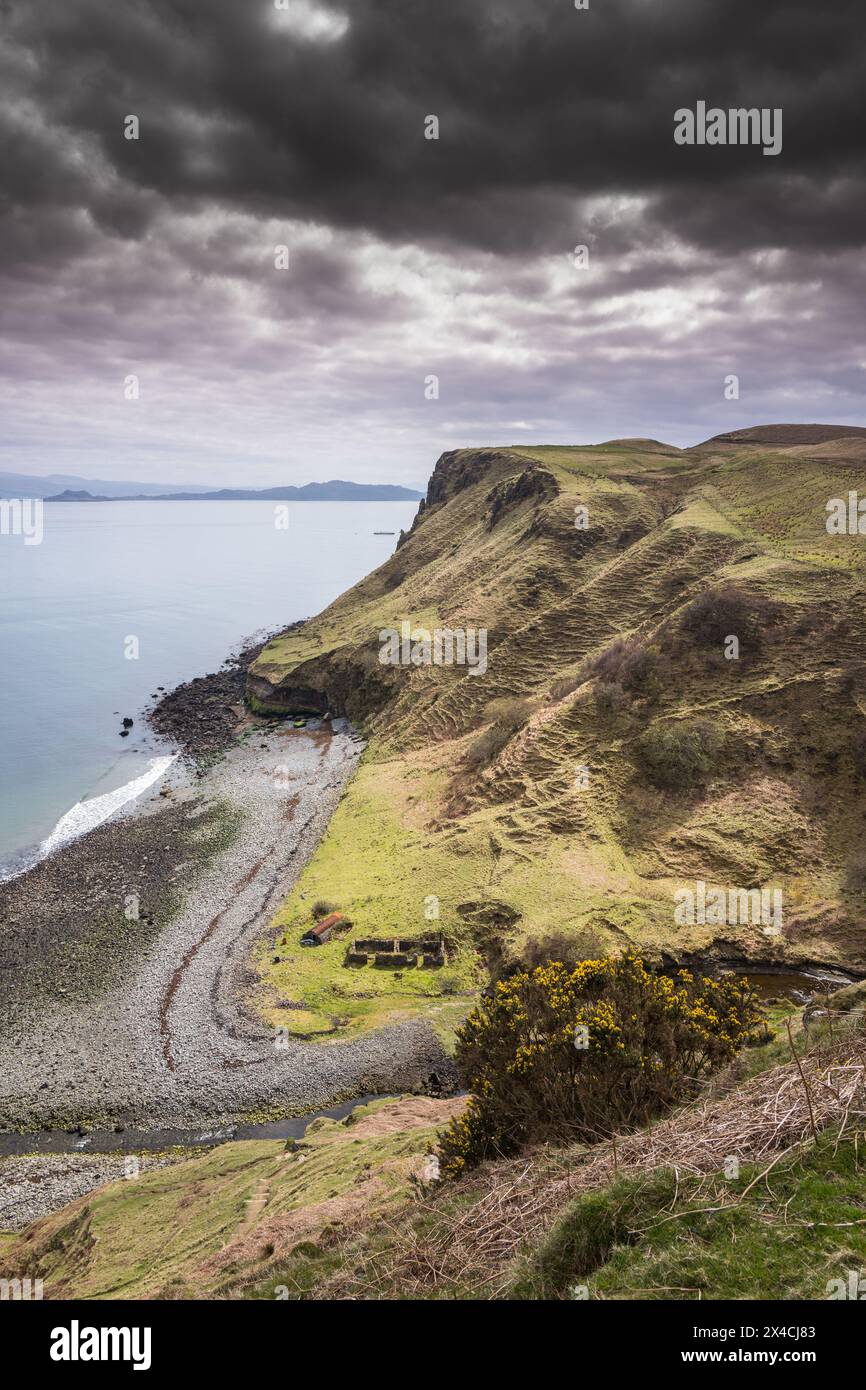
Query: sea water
x,y
188,581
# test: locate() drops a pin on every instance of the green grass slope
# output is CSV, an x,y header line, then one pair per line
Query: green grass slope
x,y
217,1222
659,1236
512,846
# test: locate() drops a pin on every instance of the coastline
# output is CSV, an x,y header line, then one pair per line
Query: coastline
x,y
193,723
150,1025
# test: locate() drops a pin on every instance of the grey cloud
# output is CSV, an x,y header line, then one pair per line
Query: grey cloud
x,y
538,104
411,256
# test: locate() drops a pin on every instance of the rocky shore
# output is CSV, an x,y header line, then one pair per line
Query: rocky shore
x,y
35,1185
123,958
202,716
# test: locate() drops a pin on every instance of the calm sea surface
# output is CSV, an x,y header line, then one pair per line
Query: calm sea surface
x,y
189,580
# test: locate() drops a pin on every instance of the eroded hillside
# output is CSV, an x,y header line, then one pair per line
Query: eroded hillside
x,y
615,750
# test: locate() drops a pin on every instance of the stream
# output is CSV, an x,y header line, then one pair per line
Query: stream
x,y
770,983
108,1141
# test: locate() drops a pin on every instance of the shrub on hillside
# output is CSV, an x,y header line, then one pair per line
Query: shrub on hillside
x,y
509,713
630,664
726,611
321,909
676,756
609,697
507,717
558,1055
486,747
565,947
566,685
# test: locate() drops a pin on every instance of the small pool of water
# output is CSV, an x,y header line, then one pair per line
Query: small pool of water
x,y
799,986
774,981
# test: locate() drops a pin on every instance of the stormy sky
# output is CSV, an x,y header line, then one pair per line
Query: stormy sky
x,y
265,123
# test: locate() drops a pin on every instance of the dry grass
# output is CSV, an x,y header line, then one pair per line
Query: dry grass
x,y
472,1247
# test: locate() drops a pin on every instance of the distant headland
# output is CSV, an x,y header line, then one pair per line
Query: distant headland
x,y
334,491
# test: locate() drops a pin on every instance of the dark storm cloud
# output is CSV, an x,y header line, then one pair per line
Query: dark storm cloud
x,y
304,127
539,106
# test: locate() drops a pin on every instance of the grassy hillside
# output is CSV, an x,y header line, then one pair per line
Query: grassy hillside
x,y
350,1211
225,1219
650,1237
681,548
753,1191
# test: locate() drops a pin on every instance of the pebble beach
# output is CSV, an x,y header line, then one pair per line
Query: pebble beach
x,y
112,1022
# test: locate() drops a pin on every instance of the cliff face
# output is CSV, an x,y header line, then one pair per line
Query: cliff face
x,y
433,580
649,755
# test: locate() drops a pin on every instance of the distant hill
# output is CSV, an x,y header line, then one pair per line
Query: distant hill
x,y
31,485
788,435
336,490
70,495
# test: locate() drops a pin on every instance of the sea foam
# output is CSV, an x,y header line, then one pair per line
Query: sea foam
x,y
86,815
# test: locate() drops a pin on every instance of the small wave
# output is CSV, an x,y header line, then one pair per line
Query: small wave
x,y
86,815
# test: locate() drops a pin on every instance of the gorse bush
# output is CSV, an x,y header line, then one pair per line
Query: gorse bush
x,y
557,1055
676,756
